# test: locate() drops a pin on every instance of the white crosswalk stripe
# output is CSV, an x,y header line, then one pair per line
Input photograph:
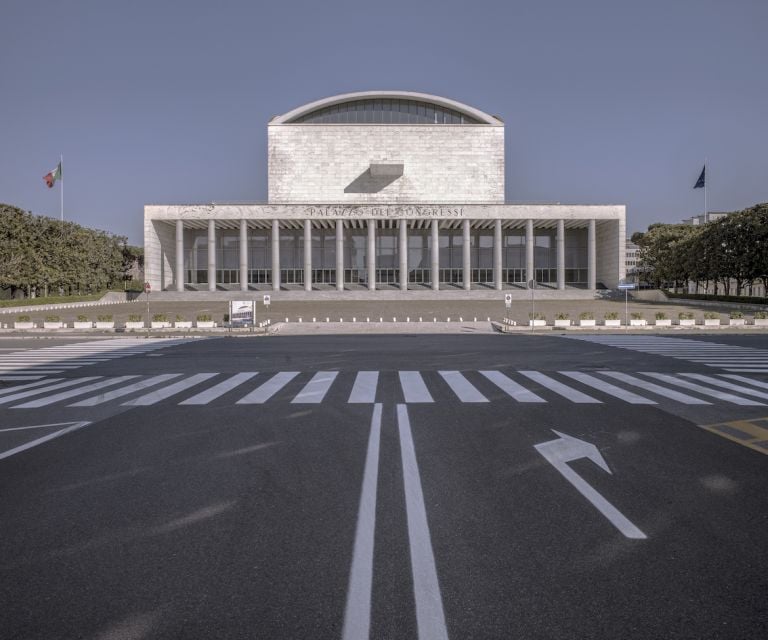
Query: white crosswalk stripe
x,y
558,387
512,388
64,395
156,396
463,388
204,397
414,389
654,388
644,388
720,395
728,357
125,391
316,388
269,388
49,360
607,387
364,389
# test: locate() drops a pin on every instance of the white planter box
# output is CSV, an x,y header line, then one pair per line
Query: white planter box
x,y
160,325
105,325
537,323
23,325
761,322
183,324
53,325
134,325
563,323
685,322
736,322
612,323
637,322
711,322
665,322
205,324
77,324
587,322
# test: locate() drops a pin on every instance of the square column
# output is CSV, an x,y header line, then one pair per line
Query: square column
x,y
403,255
591,256
243,255
211,255
466,257
179,255
497,254
434,255
561,254
339,255
371,255
529,272
307,255
275,255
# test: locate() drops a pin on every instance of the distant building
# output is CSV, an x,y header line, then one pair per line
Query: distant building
x,y
710,216
384,190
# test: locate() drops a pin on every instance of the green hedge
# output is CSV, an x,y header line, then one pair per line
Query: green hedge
x,y
714,298
29,302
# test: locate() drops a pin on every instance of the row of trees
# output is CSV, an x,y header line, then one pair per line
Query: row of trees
x,y
731,253
47,255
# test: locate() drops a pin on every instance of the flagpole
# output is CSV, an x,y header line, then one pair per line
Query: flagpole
x,y
61,180
705,189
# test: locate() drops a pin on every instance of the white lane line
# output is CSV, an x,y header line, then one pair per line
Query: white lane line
x,y
64,395
754,383
414,389
364,389
463,388
607,387
35,426
19,378
512,388
430,618
553,385
171,390
269,388
220,389
29,386
357,614
708,391
654,388
727,385
53,387
50,436
314,391
119,393
742,370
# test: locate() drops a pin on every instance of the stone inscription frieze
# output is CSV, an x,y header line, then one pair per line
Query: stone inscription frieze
x,y
388,211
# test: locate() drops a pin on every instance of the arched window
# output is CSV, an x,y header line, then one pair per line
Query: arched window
x,y
385,111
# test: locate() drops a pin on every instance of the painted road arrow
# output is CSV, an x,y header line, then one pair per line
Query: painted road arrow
x,y
68,427
567,448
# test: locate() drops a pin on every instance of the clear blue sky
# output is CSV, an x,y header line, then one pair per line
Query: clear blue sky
x,y
605,101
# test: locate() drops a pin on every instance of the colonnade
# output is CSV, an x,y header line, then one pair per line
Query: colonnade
x,y
402,254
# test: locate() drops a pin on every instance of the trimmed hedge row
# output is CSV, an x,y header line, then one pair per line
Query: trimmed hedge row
x,y
714,298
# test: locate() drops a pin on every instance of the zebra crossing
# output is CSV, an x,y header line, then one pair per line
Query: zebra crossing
x,y
35,364
368,387
728,357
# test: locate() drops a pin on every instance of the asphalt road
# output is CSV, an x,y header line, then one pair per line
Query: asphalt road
x,y
351,487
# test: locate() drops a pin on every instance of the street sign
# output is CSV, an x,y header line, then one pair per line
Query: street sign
x,y
147,287
625,286
267,300
567,448
508,299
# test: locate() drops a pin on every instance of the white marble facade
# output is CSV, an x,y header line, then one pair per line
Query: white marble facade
x,y
384,189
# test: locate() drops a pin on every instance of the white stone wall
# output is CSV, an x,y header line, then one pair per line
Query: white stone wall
x,y
442,163
159,252
610,237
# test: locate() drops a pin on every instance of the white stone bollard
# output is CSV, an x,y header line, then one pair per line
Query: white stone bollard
x,y
354,319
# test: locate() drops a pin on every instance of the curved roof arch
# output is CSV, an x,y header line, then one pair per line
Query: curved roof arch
x,y
297,114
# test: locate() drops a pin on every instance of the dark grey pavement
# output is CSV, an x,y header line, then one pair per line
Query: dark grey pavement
x,y
227,520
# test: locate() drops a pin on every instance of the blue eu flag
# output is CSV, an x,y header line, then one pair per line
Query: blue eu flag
x,y
700,182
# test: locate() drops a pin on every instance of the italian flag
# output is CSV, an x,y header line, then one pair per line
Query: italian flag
x,y
52,176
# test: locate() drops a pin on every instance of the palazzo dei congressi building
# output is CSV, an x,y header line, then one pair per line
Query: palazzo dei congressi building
x,y
384,190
